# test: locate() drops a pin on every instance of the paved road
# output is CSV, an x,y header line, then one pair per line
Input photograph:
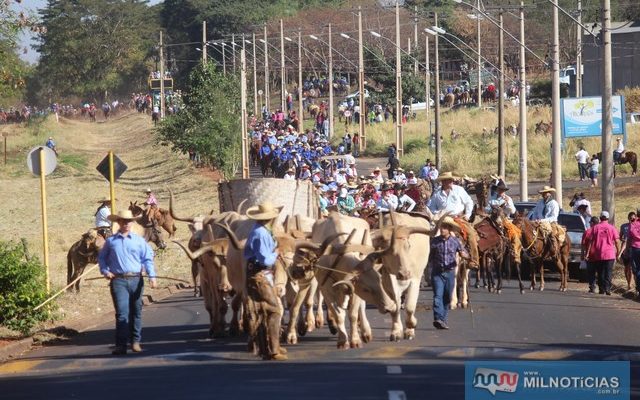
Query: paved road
x,y
180,362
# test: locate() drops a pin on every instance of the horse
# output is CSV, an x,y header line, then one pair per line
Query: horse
x,y
160,217
449,100
489,95
92,114
254,152
543,128
628,157
539,249
492,247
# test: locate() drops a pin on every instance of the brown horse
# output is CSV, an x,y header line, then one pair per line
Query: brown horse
x,y
543,128
538,249
160,217
449,100
627,157
492,247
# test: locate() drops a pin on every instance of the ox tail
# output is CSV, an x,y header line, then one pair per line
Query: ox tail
x,y
69,266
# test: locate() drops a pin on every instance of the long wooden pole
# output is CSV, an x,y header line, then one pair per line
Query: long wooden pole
x,y
243,101
501,143
436,96
161,77
398,85
255,79
331,124
283,80
43,204
204,42
607,183
266,70
300,98
427,86
363,105
524,172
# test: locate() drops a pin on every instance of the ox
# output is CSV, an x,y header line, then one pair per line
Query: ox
x,y
83,252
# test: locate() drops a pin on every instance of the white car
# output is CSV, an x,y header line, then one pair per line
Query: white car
x,y
357,94
422,106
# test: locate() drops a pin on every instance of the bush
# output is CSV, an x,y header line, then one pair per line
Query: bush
x,y
542,89
631,98
22,288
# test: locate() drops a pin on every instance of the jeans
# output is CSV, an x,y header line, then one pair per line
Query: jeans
x,y
127,301
605,270
582,169
591,275
442,284
635,264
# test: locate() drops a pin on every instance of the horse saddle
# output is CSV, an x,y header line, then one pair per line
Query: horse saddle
x,y
489,234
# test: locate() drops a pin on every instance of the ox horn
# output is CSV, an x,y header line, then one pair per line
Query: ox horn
x,y
232,236
365,234
350,238
239,207
352,289
196,254
325,243
213,237
173,214
421,231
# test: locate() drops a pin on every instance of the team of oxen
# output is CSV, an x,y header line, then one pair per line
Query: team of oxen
x,y
340,261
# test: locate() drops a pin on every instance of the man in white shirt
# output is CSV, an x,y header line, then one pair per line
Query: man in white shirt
x,y
547,208
290,175
501,199
405,203
103,225
453,199
582,157
388,201
351,171
617,153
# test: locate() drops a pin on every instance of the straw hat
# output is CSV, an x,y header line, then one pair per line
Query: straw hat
x,y
264,212
122,214
148,190
546,189
450,222
447,176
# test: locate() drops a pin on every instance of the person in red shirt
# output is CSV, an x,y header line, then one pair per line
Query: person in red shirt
x,y
603,246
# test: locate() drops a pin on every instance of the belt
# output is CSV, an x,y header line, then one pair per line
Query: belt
x,y
128,276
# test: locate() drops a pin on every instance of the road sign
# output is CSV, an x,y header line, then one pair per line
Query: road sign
x,y
118,167
33,160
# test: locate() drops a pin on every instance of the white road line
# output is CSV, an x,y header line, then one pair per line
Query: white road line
x,y
396,395
394,369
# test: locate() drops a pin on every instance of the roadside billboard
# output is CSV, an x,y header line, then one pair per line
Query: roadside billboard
x,y
582,117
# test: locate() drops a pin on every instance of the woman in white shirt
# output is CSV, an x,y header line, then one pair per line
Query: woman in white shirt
x,y
593,170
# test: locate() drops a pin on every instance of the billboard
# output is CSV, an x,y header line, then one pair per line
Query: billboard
x,y
582,116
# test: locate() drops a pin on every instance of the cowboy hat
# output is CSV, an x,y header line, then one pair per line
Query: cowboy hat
x,y
501,186
495,177
264,212
447,176
148,190
450,222
291,170
122,214
546,189
400,169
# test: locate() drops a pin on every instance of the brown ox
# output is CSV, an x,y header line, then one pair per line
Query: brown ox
x,y
538,249
158,216
83,252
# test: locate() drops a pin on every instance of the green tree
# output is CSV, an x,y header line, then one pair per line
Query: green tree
x,y
13,71
91,47
209,122
383,75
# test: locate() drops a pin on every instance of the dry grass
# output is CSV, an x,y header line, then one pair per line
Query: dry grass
x,y
75,186
475,156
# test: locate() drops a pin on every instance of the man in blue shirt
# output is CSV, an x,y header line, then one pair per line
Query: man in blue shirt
x,y
121,261
260,253
442,260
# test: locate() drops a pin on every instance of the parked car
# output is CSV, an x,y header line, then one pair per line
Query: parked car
x,y
422,106
575,230
633,118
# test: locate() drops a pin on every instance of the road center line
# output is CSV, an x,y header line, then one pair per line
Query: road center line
x,y
394,369
396,395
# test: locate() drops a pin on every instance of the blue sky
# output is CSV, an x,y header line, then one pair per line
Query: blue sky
x,y
26,38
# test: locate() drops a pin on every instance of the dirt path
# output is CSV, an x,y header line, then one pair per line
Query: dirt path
x,y
74,188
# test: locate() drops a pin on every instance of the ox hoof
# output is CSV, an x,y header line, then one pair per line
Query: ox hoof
x,y
332,328
394,337
366,337
532,288
409,334
319,323
343,346
356,344
292,339
464,305
477,285
521,291
302,329
499,291
541,288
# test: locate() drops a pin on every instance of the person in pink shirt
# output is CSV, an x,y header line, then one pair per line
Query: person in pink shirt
x,y
603,247
632,245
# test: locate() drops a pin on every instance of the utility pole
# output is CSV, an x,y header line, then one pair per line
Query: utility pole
x,y
283,83
233,50
501,144
415,41
243,113
556,160
398,86
579,52
607,124
224,59
427,85
255,79
330,86
161,77
301,106
204,42
479,57
363,106
437,100
524,174
266,69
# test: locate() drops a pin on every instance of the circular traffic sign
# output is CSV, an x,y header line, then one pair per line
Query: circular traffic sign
x,y
50,160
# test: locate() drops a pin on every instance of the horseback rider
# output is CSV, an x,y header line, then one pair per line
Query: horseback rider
x,y
499,198
152,205
455,200
103,224
261,254
617,153
546,212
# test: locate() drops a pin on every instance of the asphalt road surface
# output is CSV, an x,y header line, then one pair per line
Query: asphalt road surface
x,y
180,362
